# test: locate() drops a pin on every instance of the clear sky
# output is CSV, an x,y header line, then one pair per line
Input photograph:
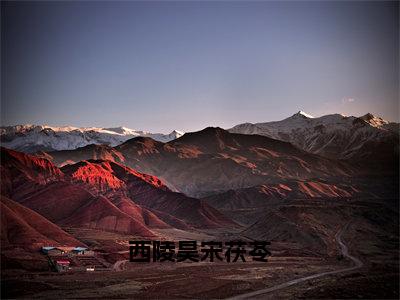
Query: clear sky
x,y
160,66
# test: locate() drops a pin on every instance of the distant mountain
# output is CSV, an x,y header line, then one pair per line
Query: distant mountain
x,y
267,194
212,160
333,136
33,138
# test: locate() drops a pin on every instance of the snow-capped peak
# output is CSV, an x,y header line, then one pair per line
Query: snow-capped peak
x,y
334,135
120,130
303,114
31,138
373,120
177,132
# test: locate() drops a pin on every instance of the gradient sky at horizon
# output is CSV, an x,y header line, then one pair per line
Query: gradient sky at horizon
x,y
160,66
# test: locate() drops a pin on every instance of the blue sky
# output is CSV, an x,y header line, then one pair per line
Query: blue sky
x,y
160,66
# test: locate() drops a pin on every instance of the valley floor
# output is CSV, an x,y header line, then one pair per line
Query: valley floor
x,y
377,277
206,281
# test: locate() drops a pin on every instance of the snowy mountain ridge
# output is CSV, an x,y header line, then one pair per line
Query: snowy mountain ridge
x,y
32,138
335,135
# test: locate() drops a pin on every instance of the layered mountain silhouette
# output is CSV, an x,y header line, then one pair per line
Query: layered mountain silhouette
x,y
258,183
213,160
267,194
356,139
97,194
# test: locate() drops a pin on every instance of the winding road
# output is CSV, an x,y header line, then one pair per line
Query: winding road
x,y
357,264
119,265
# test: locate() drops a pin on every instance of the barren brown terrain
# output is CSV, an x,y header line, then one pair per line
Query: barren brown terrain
x,y
333,228
222,280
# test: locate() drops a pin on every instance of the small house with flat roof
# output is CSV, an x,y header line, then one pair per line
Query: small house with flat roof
x,y
82,251
62,265
49,250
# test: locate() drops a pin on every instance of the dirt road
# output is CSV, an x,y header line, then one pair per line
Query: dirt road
x,y
119,265
345,252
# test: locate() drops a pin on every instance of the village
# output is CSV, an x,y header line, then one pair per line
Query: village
x,y
74,259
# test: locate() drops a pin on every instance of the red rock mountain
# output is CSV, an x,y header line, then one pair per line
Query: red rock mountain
x,y
70,205
107,175
22,227
123,185
21,172
102,195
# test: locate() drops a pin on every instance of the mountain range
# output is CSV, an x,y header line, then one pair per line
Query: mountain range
x,y
32,138
334,136
288,181
101,195
212,160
